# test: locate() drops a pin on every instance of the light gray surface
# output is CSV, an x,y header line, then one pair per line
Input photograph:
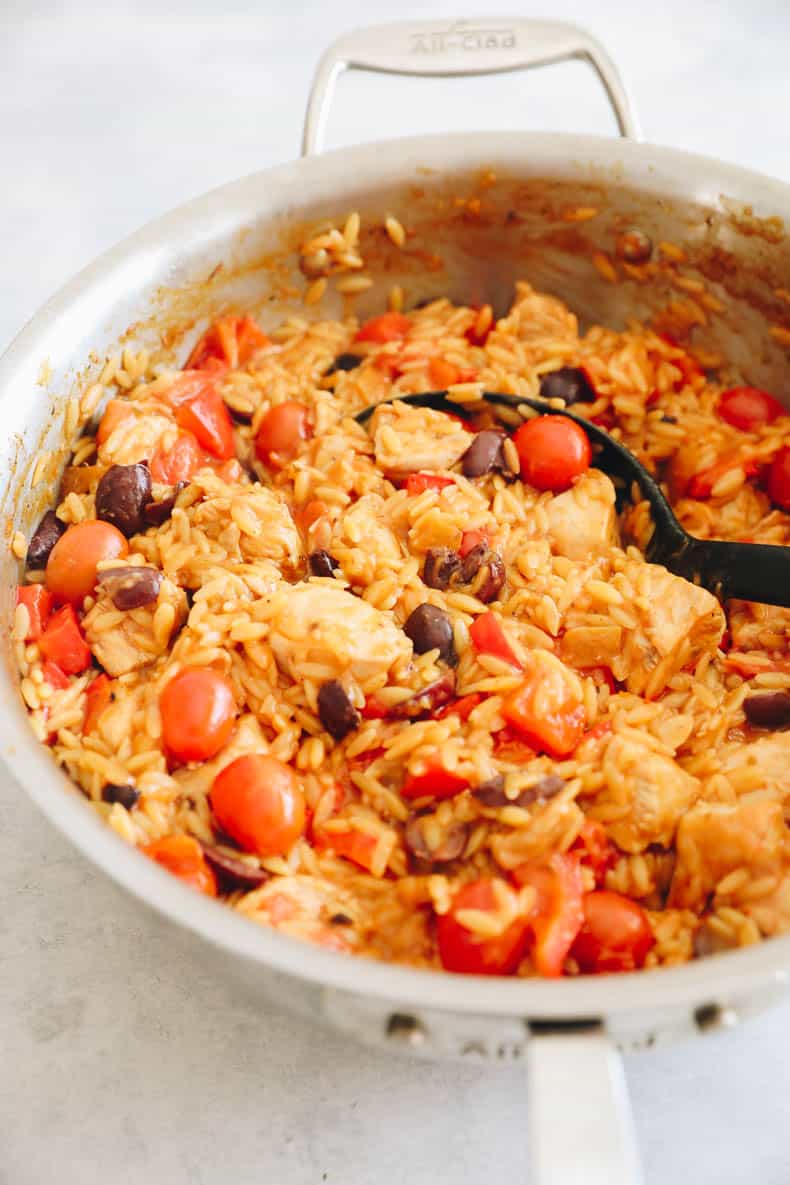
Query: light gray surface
x,y
121,1062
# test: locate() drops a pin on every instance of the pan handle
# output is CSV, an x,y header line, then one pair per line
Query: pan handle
x,y
581,1130
457,48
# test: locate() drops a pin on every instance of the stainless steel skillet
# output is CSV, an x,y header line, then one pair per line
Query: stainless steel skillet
x,y
518,192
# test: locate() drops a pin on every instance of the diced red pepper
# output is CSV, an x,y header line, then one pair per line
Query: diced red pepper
x,y
418,483
374,710
467,953
230,341
558,912
435,782
179,463
208,419
488,637
388,327
97,697
357,846
595,849
389,365
546,710
38,602
64,643
470,540
462,707
55,676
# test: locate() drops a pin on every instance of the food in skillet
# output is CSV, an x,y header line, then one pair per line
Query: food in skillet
x,y
410,690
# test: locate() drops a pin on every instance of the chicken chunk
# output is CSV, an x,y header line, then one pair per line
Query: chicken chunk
x,y
763,764
252,522
582,520
536,318
644,795
407,439
136,438
126,640
714,839
323,632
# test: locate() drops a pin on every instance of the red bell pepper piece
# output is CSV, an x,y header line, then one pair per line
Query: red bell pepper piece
x,y
488,637
208,419
97,697
435,782
418,483
64,643
462,707
388,327
38,602
558,912
351,844
470,540
55,676
595,849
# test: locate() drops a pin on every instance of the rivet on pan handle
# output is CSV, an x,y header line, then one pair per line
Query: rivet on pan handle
x,y
441,49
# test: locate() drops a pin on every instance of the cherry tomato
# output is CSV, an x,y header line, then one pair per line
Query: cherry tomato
x,y
208,419
281,432
436,782
38,602
553,451
557,914
178,463
198,711
615,934
71,567
389,327
183,857
463,951
595,849
749,408
259,802
778,483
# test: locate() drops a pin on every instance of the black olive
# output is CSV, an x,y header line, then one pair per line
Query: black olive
x,y
427,701
45,536
441,564
234,873
345,362
545,787
156,513
121,495
491,793
131,587
338,715
484,571
322,563
431,629
569,384
451,844
485,454
341,919
768,709
127,796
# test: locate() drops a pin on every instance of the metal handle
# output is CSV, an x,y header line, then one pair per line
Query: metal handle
x,y
580,1125
485,46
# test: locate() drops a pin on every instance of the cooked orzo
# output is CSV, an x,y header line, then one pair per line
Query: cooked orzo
x,y
410,690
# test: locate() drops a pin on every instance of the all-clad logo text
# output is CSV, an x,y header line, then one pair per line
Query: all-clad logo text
x,y
462,37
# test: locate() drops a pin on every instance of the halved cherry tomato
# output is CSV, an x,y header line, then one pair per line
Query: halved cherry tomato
x,y
208,419
183,857
467,953
114,415
71,567
702,483
63,642
388,327
749,408
198,710
595,849
488,637
353,845
231,341
470,540
553,452
281,433
778,483
462,707
546,710
178,463
259,802
55,676
443,374
418,483
615,934
97,697
436,782
558,912
38,602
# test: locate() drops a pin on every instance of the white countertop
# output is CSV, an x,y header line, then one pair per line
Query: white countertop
x,y
121,1063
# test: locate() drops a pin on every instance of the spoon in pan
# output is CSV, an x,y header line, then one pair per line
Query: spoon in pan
x,y
748,571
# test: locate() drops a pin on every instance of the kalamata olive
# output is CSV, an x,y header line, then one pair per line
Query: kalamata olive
x,y
431,629
232,871
127,796
491,793
131,587
633,245
707,942
45,536
417,837
322,563
341,919
338,715
121,495
427,701
545,787
484,571
441,564
345,362
768,709
484,454
156,513
569,383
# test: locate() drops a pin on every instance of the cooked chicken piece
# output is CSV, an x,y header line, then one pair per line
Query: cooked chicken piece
x,y
251,522
136,438
407,439
363,526
585,646
714,839
535,317
761,764
678,623
582,520
323,632
125,640
305,907
651,790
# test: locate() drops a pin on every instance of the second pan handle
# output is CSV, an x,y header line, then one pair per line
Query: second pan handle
x,y
489,45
